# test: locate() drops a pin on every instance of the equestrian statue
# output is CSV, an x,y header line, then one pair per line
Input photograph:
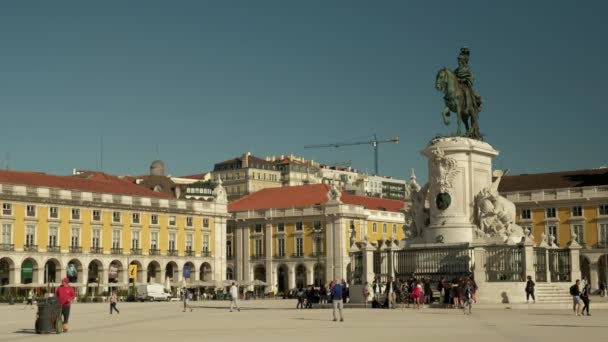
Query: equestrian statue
x,y
460,97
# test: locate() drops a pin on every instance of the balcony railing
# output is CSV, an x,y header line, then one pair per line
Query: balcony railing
x,y
96,250
135,251
205,254
258,257
280,256
154,251
53,249
6,247
297,255
30,248
75,249
189,253
117,251
172,252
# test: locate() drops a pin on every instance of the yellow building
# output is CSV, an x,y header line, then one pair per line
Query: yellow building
x,y
300,235
92,226
565,206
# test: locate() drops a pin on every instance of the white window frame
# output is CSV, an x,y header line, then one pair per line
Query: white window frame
x,y
189,221
299,226
258,247
602,226
257,228
206,242
529,214
34,237
116,217
281,243
579,230
172,240
554,213
154,219
374,227
94,217
75,214
7,209
78,236
56,213
136,218
154,237
548,231
205,223
11,232
394,228
99,244
119,235
602,209
172,221
27,210
136,233
56,242
281,228
575,209
297,247
228,248
384,228
189,245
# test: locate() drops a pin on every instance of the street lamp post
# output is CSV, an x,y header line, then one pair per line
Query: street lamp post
x,y
318,233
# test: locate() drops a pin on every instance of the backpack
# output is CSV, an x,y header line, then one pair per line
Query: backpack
x,y
573,290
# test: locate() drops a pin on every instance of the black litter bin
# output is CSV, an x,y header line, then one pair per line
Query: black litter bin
x,y
48,317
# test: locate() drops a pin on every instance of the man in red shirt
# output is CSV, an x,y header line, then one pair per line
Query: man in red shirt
x,y
65,295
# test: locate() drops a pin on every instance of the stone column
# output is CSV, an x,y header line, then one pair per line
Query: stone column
x,y
246,254
389,262
329,252
593,275
528,266
219,249
368,263
270,287
575,262
479,271
291,277
238,253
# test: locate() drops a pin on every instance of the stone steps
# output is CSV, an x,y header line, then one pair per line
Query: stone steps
x,y
551,294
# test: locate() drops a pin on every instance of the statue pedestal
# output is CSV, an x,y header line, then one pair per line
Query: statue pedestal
x,y
458,169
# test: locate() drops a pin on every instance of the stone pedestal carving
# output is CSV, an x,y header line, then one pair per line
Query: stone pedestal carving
x,y
459,169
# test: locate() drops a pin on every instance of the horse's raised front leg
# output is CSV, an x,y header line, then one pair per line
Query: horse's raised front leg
x,y
446,115
459,121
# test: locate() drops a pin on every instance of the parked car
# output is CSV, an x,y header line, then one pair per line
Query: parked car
x,y
152,292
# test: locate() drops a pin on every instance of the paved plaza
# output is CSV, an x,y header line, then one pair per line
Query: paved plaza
x,y
277,320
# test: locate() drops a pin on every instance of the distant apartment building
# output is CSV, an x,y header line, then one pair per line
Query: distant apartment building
x,y
246,174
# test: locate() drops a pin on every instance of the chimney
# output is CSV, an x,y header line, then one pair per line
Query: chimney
x,y
245,160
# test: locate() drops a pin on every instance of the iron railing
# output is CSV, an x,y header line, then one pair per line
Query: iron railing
x,y
380,265
154,251
559,265
540,264
117,251
357,268
135,251
30,248
7,247
97,250
504,263
434,264
53,249
75,249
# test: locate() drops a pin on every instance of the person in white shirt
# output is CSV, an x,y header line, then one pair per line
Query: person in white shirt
x,y
234,295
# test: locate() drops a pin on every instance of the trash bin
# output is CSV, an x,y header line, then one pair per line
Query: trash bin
x,y
48,317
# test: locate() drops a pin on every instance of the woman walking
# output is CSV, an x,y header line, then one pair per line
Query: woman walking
x,y
530,290
113,301
416,292
585,297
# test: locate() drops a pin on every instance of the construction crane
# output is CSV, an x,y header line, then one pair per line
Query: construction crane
x,y
374,144
345,163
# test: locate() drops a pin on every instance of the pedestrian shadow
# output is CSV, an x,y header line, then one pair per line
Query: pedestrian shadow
x,y
309,319
568,326
25,331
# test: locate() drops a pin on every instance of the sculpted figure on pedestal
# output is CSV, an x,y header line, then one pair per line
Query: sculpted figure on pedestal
x,y
417,215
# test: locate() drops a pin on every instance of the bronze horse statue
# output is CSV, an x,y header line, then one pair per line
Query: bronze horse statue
x,y
460,99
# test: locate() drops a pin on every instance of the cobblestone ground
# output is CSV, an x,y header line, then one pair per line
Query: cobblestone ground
x,y
277,320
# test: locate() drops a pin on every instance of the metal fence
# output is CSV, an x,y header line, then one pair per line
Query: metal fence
x,y
357,268
504,263
434,263
559,265
540,264
381,265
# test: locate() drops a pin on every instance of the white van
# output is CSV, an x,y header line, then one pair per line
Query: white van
x,y
152,292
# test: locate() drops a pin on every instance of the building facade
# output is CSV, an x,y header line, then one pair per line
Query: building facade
x,y
245,175
296,236
562,207
91,227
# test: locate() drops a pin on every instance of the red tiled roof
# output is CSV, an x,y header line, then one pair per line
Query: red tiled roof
x,y
554,180
306,196
196,176
92,181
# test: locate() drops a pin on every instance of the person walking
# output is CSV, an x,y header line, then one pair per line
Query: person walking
x,y
530,290
367,290
301,295
65,295
30,298
602,288
416,289
186,297
467,297
585,297
336,295
113,301
575,292
234,296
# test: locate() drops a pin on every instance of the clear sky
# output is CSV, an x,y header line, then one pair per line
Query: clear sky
x,y
205,81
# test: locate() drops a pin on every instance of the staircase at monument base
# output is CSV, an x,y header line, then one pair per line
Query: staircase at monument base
x,y
548,293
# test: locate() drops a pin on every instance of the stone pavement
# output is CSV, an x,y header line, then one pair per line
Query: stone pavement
x,y
278,320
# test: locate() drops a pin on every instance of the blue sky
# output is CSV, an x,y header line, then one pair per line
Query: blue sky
x,y
205,81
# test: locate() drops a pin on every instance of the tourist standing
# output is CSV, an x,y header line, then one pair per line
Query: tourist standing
x,y
602,289
366,293
338,304
428,291
575,292
467,296
30,298
234,296
416,295
65,295
113,301
585,297
530,290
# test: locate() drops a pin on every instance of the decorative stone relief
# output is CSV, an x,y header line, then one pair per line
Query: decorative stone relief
x,y
417,215
444,172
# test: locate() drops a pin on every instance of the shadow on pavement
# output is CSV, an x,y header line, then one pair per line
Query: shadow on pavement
x,y
569,326
25,331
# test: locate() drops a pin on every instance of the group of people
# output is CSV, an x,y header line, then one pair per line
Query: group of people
x,y
580,292
308,296
417,292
